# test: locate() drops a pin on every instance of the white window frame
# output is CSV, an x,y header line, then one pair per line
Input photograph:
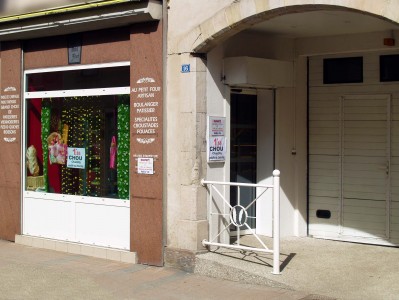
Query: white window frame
x,y
69,93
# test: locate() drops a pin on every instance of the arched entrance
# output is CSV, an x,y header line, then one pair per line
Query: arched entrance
x,y
307,36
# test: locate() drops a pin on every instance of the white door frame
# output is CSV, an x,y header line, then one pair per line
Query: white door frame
x,y
265,154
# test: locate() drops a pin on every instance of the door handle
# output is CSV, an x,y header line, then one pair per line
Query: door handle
x,y
386,167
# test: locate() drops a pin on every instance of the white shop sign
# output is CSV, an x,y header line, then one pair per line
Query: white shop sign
x,y
76,158
216,140
145,165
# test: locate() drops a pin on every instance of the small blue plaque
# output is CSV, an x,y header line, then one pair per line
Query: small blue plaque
x,y
185,68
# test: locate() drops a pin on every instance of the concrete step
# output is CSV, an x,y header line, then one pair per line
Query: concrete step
x,y
237,266
324,269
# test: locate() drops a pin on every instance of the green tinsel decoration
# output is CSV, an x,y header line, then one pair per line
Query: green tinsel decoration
x,y
123,146
45,119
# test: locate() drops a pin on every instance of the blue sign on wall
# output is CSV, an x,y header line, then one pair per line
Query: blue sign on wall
x,y
185,68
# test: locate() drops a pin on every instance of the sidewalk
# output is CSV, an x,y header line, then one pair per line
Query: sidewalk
x,y
31,273
333,269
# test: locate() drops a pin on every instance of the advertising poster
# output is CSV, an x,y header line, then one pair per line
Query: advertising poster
x,y
76,158
216,142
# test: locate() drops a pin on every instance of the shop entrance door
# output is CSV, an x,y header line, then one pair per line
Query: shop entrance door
x,y
252,154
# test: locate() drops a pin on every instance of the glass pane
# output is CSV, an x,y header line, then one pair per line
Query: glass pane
x,y
81,144
243,151
79,79
343,70
389,68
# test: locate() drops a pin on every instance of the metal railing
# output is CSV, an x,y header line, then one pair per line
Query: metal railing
x,y
238,216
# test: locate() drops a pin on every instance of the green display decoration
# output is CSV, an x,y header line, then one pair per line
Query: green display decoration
x,y
45,119
123,146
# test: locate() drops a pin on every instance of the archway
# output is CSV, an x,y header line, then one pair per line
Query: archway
x,y
296,34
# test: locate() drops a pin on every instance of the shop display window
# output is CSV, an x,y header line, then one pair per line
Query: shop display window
x,y
81,146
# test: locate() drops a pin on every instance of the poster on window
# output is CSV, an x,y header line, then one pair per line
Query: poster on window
x,y
76,158
216,141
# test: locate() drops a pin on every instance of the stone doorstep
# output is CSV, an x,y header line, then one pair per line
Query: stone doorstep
x,y
184,260
76,248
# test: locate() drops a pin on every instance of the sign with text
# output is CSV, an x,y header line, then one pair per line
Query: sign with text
x,y
76,158
9,110
185,68
145,165
146,106
216,140
74,50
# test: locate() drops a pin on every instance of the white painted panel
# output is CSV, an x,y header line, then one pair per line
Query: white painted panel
x,y
334,186
324,131
395,221
364,233
317,124
323,200
364,189
324,110
265,161
103,225
323,193
90,220
326,172
363,174
324,179
260,72
50,218
366,186
325,103
359,130
365,157
325,138
323,227
324,141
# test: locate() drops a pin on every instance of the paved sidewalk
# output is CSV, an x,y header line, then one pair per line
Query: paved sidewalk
x,y
339,270
31,273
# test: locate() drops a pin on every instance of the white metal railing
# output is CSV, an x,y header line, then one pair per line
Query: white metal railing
x,y
238,215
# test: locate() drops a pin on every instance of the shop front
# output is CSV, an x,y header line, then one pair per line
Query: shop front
x,y
82,135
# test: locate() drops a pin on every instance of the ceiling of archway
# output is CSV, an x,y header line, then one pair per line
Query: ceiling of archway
x,y
322,23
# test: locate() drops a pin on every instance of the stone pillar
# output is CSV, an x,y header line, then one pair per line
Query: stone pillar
x,y
187,222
